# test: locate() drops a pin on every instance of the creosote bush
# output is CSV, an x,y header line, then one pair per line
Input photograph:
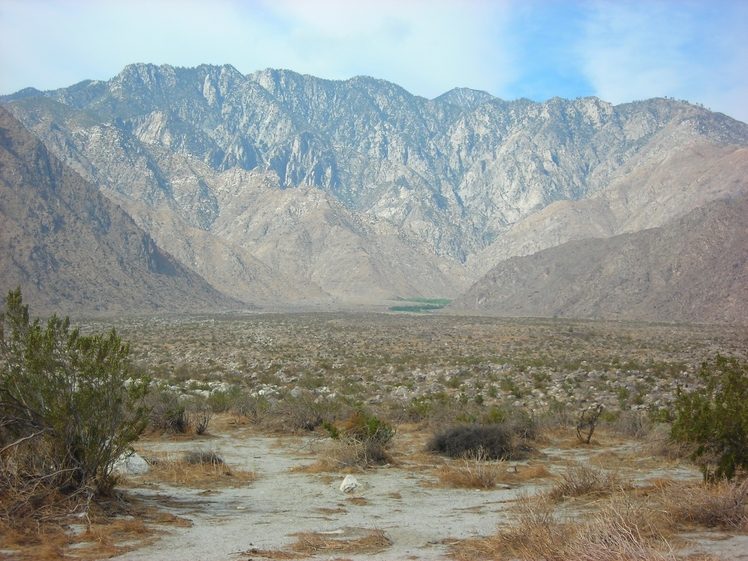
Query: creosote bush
x,y
69,404
715,419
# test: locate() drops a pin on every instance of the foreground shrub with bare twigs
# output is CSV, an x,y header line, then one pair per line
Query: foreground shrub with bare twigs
x,y
69,408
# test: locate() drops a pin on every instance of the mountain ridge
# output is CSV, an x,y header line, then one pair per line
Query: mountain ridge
x,y
72,250
428,194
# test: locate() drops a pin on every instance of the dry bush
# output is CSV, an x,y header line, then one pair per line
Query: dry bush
x,y
349,454
167,412
362,441
251,407
658,442
199,415
113,526
196,469
474,471
310,543
631,424
620,531
583,481
496,441
204,457
719,505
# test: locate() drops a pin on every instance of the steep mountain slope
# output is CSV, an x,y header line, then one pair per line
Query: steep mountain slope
x,y
360,190
693,269
72,250
649,196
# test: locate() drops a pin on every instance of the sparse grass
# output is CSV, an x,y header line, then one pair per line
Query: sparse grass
x,y
111,527
311,543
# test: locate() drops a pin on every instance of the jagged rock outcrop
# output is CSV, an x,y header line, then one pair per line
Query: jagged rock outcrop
x,y
72,250
694,269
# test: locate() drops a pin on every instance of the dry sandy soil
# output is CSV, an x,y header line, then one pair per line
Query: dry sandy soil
x,y
400,510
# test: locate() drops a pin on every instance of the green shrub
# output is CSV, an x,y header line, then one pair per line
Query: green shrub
x,y
69,396
715,418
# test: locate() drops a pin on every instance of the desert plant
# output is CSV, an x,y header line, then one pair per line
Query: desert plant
x,y
203,457
579,481
719,505
495,441
364,439
168,413
587,423
475,470
305,411
199,414
68,400
716,418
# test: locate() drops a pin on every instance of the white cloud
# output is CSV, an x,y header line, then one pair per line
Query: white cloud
x,y
693,51
427,47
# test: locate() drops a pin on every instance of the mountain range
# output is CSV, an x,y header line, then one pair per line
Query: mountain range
x,y
280,188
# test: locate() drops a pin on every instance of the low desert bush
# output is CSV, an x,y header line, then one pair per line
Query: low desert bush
x,y
620,531
496,442
168,413
721,504
205,457
251,407
474,471
630,424
584,481
715,419
199,414
195,469
69,404
306,412
363,440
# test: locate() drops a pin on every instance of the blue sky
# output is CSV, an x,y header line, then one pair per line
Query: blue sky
x,y
619,51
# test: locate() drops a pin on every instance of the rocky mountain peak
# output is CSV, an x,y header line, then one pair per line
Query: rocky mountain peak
x,y
465,97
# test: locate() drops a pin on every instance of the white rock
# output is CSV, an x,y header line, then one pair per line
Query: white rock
x,y
349,484
131,464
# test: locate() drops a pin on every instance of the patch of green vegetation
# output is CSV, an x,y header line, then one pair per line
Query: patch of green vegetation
x,y
421,304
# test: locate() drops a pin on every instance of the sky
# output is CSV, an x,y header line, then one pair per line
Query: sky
x,y
618,51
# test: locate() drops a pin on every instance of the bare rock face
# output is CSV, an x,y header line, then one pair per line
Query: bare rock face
x,y
72,250
278,186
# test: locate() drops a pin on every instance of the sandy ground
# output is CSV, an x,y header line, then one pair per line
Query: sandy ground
x,y
418,518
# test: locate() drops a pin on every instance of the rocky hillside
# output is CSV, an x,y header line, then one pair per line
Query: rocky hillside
x,y
694,269
282,186
72,250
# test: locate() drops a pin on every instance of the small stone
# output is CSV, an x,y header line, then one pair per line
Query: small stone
x,y
349,484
